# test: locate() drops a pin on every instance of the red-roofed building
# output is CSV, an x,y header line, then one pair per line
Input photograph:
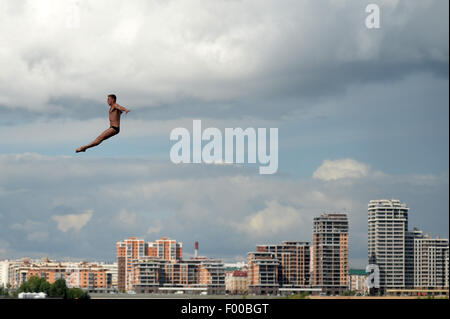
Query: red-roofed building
x,y
236,282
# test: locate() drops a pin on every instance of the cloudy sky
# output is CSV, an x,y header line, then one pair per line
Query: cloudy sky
x,y
362,114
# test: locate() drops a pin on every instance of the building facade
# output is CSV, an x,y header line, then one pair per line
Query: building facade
x,y
294,262
4,274
358,281
330,253
92,277
263,273
161,268
430,262
409,262
165,248
387,239
409,255
128,251
236,282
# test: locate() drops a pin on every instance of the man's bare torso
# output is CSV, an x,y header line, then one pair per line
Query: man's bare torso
x,y
114,116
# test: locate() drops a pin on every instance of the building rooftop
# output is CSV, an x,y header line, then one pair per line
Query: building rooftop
x,y
360,272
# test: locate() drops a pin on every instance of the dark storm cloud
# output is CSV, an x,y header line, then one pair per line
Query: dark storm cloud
x,y
258,58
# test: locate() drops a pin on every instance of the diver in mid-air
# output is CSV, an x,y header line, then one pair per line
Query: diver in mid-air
x,y
115,111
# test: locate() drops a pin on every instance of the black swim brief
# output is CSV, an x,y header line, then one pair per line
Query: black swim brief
x,y
117,129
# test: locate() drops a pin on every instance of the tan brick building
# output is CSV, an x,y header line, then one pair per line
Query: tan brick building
x,y
236,282
330,253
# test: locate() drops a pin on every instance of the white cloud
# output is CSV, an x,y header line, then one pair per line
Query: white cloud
x,y
72,221
331,170
272,220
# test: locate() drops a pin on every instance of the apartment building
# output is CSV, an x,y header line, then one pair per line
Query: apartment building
x,y
182,273
409,256
149,274
156,275
330,253
211,275
92,277
294,262
4,274
162,269
430,262
387,241
236,282
263,273
111,274
358,281
128,251
165,248
409,261
20,271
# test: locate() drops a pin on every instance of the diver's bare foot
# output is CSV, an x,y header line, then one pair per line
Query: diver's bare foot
x,y
80,149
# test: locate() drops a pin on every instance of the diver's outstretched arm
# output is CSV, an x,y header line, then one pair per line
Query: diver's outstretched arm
x,y
121,108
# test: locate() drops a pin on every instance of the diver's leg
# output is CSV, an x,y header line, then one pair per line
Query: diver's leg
x,y
105,135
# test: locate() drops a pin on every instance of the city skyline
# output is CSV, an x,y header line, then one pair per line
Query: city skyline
x,y
407,261
415,233
215,254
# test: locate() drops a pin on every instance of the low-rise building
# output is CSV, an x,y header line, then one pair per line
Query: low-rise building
x,y
263,273
236,282
92,277
358,281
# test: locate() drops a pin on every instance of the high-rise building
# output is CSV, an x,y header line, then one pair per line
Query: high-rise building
x,y
446,269
128,251
387,240
165,248
430,262
408,261
409,256
330,253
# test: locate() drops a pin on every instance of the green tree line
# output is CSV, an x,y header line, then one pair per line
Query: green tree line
x,y
56,290
4,292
